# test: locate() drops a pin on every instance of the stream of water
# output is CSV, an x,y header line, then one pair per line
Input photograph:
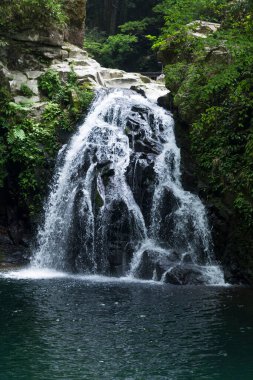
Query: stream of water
x,y
99,218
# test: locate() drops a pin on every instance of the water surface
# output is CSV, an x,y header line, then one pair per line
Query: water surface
x,y
76,328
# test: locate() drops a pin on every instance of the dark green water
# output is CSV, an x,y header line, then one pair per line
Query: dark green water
x,y
74,329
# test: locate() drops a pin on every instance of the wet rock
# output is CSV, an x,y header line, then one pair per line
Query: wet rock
x,y
188,166
166,101
5,76
146,268
138,90
16,227
141,179
80,243
10,253
120,236
154,264
168,204
5,240
218,55
102,164
17,258
147,145
51,36
187,259
185,275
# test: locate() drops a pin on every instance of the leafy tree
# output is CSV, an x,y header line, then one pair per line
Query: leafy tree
x,y
107,15
136,55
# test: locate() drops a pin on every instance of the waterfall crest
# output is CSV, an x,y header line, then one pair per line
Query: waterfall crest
x,y
117,205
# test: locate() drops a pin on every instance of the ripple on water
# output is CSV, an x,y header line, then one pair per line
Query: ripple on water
x,y
68,329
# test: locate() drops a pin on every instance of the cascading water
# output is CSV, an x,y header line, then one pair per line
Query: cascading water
x,y
117,206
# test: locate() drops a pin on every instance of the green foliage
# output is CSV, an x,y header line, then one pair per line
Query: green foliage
x,y
116,51
135,27
178,13
50,84
17,14
69,96
175,75
129,49
3,172
26,91
211,82
28,145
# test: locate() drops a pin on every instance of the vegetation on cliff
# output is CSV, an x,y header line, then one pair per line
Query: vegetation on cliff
x,y
16,15
29,140
210,77
34,125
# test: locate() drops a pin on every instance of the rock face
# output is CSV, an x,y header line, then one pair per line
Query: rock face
x,y
114,250
46,32
29,61
27,55
202,29
26,52
118,198
185,274
76,12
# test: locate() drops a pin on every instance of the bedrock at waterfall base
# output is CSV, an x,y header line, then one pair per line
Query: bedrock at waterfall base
x,y
117,206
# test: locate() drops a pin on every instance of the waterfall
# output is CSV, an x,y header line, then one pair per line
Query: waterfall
x,y
117,205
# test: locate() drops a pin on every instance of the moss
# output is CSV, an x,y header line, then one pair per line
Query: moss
x,y
26,91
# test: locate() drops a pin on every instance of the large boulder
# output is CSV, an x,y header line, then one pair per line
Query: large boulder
x,y
201,28
185,275
155,263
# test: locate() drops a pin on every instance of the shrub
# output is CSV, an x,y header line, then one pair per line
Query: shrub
x,y
26,91
16,15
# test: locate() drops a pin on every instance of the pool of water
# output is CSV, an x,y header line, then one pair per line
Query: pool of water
x,y
66,327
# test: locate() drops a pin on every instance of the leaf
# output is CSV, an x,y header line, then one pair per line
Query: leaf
x,y
19,134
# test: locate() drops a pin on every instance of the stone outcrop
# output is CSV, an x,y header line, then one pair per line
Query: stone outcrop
x,y
202,29
46,33
76,12
30,63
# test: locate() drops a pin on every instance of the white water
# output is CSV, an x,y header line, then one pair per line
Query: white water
x,y
100,139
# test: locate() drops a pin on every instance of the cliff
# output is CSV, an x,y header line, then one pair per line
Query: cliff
x,y
210,78
32,37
